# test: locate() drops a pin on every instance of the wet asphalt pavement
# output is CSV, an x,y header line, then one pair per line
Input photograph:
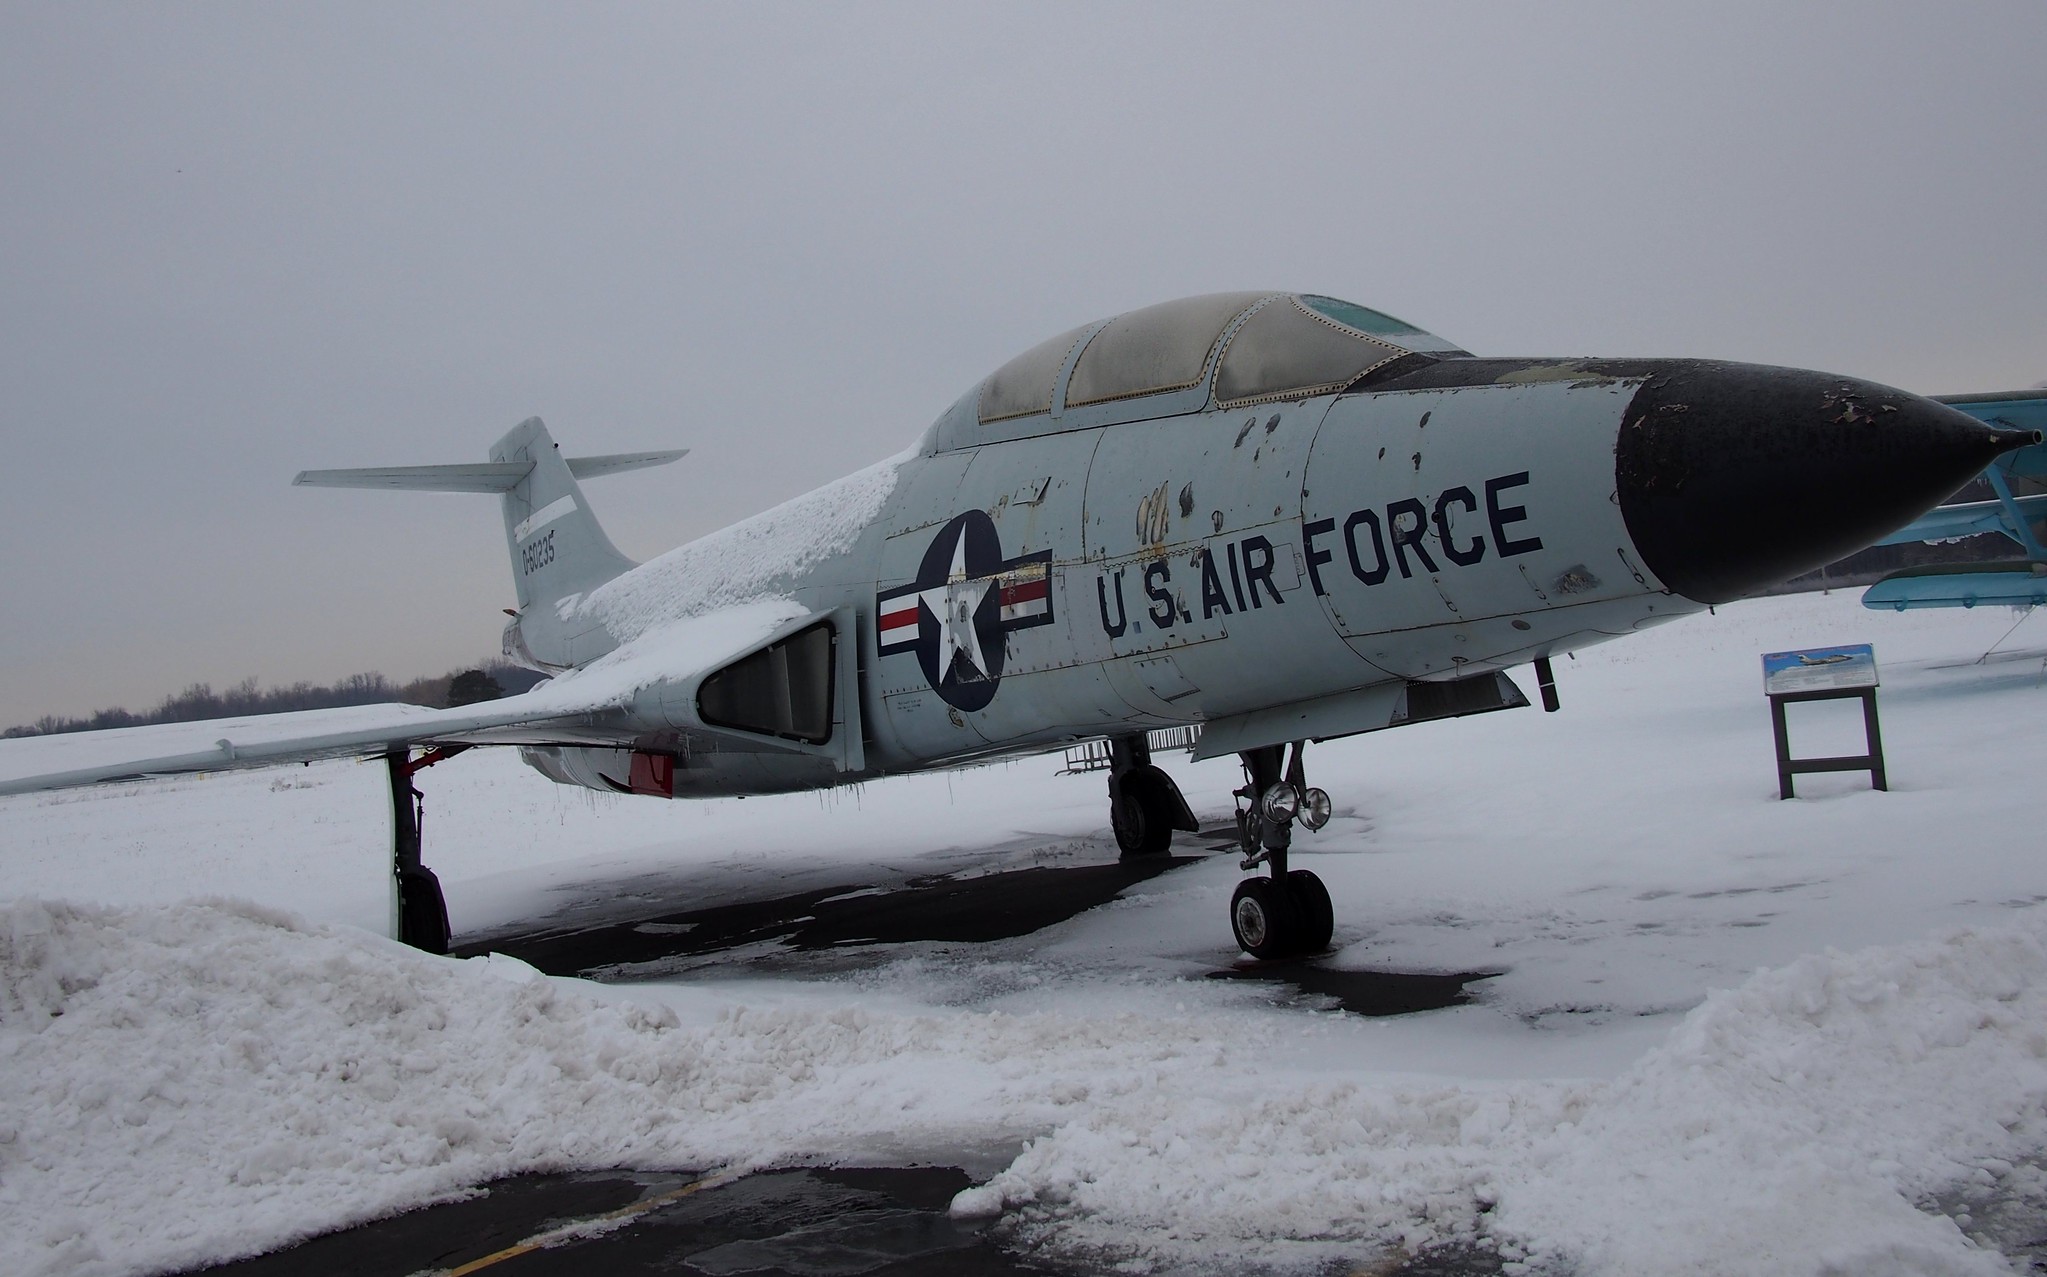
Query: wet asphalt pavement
x,y
942,908
640,939
805,1222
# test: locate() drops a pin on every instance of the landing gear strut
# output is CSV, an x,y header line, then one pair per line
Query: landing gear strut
x,y
1145,806
419,913
1287,913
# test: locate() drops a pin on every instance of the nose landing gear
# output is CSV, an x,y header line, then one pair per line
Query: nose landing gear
x,y
1283,914
1287,913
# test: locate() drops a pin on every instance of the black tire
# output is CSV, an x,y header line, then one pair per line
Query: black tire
x,y
1141,813
422,911
1264,920
1317,913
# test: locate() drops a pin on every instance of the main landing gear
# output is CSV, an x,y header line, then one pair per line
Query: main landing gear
x,y
1287,913
1145,806
419,914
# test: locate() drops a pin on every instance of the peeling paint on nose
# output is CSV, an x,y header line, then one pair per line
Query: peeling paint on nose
x,y
1732,477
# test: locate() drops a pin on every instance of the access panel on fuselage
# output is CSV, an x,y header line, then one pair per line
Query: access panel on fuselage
x,y
1197,605
1450,530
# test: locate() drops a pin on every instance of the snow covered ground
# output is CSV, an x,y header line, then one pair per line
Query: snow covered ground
x,y
1629,1095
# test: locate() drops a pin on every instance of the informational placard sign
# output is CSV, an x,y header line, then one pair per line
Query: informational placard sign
x,y
1819,669
1823,674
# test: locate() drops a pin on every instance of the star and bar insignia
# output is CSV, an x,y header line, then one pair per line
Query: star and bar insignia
x,y
964,602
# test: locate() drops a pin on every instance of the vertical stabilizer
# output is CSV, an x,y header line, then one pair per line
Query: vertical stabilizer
x,y
559,552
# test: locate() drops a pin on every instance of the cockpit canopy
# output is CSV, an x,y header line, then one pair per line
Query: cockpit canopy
x,y
1227,350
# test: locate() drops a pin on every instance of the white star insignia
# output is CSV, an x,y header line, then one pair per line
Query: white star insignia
x,y
953,606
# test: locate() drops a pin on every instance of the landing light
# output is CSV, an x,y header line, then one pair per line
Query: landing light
x,y
1279,804
1314,808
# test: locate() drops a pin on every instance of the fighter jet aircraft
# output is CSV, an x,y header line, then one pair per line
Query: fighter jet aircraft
x,y
1278,516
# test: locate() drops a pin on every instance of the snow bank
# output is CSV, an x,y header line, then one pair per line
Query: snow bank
x,y
190,1083
1788,1126
746,560
186,1083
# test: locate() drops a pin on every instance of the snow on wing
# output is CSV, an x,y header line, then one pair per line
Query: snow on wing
x,y
586,706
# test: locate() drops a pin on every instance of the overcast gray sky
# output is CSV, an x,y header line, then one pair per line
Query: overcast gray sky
x,y
238,240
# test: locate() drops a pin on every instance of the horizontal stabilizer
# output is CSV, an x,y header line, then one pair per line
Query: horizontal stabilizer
x,y
481,476
2009,584
618,462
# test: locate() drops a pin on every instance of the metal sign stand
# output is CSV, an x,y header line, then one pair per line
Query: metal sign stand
x,y
1787,766
1824,674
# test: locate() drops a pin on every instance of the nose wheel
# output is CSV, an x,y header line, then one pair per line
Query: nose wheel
x,y
1285,913
1272,919
1315,912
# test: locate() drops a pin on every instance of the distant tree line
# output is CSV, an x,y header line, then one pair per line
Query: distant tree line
x,y
457,687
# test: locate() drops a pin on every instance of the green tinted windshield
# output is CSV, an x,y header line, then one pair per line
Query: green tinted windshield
x,y
1355,316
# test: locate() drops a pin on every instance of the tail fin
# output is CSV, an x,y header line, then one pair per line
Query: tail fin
x,y
558,549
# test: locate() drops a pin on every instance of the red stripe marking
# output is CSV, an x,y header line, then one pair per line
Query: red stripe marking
x,y
1028,592
894,620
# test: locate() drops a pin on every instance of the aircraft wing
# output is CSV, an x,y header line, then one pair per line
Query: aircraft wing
x,y
2011,409
2019,583
1946,522
598,704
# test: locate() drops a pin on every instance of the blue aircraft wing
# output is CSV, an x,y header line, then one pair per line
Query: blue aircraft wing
x,y
2020,584
2010,410
1944,523
2017,583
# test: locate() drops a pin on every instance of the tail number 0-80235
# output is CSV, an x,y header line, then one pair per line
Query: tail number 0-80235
x,y
539,554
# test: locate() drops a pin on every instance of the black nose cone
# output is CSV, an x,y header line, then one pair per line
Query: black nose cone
x,y
1733,477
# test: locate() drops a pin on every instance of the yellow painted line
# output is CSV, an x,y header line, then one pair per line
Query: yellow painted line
x,y
569,1231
